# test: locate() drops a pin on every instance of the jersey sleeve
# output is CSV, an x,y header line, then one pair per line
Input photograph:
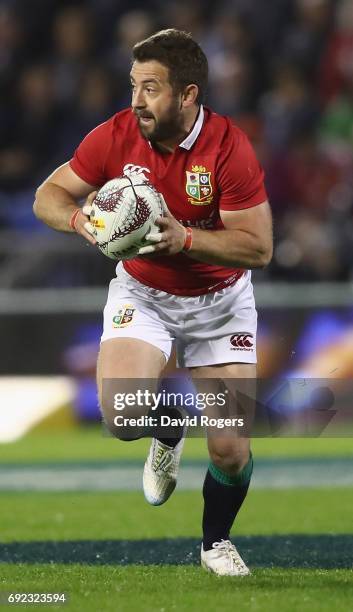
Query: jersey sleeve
x,y
90,156
240,176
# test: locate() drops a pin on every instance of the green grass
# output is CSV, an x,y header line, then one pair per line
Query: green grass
x,y
72,541
160,589
75,516
89,444
88,528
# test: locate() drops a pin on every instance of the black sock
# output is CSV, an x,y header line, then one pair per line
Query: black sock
x,y
223,496
168,435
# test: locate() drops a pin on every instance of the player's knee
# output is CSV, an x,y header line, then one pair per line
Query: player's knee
x,y
229,460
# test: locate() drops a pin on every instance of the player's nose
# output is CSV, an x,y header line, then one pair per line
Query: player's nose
x,y
138,101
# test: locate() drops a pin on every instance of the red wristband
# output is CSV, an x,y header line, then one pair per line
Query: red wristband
x,y
188,239
73,219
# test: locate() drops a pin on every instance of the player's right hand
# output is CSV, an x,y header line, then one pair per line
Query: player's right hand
x,y
82,224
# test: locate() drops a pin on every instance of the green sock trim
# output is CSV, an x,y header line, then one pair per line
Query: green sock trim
x,y
241,479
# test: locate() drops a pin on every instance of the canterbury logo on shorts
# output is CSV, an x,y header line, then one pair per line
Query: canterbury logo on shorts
x,y
242,341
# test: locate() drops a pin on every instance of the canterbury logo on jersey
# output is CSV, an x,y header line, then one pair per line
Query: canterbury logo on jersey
x,y
133,171
242,341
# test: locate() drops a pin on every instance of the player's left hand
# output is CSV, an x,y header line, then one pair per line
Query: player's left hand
x,y
170,240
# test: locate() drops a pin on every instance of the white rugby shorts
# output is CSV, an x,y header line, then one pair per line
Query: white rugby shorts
x,y
209,329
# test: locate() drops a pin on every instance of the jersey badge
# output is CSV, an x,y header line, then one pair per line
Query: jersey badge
x,y
199,186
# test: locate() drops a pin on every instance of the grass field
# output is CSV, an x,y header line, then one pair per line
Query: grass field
x,y
90,444
111,551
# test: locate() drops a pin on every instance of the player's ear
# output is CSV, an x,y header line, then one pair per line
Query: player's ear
x,y
189,95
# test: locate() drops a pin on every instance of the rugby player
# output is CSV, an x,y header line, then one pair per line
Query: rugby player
x,y
192,285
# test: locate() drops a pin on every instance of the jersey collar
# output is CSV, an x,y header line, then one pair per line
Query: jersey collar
x,y
191,138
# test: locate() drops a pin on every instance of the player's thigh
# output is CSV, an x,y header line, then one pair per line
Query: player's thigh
x,y
239,379
225,370
127,365
229,447
135,346
129,358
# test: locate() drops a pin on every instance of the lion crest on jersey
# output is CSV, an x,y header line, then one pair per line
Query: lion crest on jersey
x,y
199,186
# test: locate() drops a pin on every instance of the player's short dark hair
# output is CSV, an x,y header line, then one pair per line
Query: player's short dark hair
x,y
177,51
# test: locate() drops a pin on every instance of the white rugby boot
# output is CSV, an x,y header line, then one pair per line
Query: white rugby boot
x,y
224,560
161,471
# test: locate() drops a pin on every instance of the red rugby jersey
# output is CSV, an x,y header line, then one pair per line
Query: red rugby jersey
x,y
213,169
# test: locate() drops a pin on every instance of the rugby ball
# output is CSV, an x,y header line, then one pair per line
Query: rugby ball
x,y
123,213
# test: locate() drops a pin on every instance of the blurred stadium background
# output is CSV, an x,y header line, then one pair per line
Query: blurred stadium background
x,y
283,69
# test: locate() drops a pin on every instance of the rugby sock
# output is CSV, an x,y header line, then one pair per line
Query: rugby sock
x,y
223,496
175,433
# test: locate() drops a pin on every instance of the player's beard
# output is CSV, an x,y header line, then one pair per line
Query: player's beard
x,y
166,128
